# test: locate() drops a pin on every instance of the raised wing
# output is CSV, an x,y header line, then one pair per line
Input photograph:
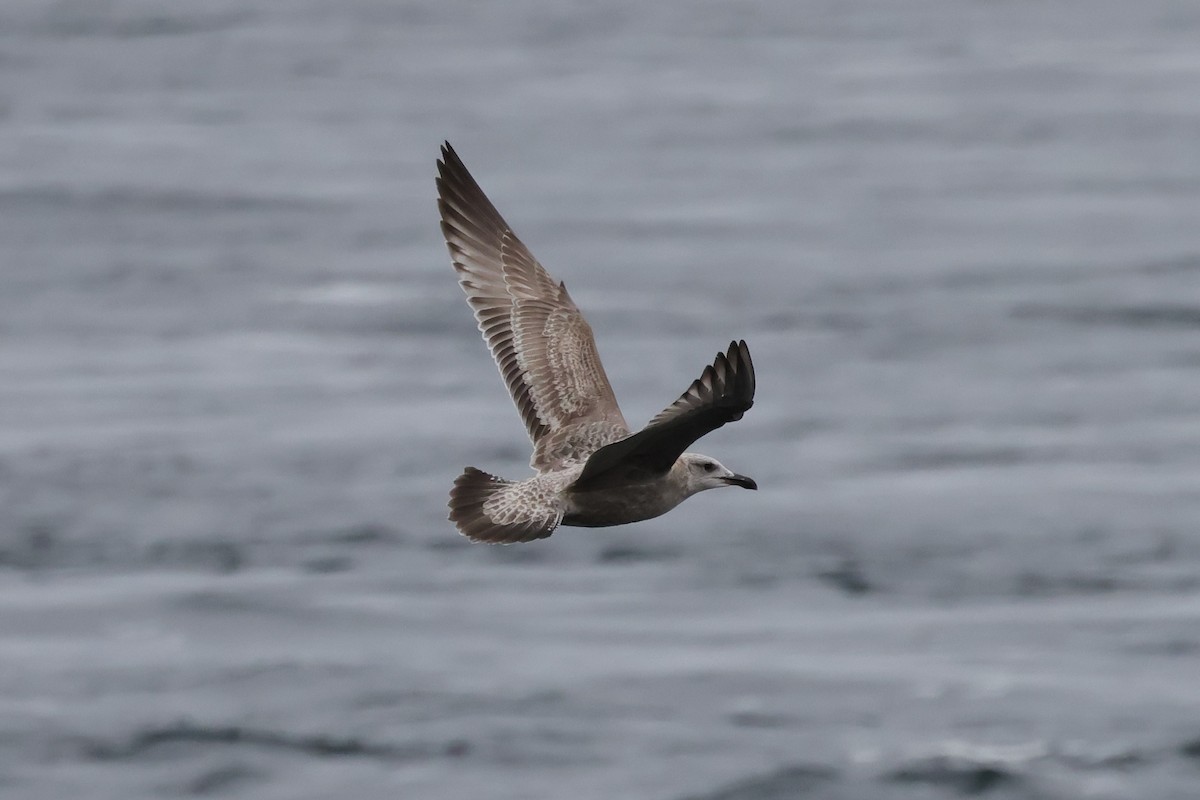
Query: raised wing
x,y
723,393
539,339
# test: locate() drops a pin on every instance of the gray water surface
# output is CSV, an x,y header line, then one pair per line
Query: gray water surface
x,y
237,379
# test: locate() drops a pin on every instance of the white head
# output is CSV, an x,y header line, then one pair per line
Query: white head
x,y
702,472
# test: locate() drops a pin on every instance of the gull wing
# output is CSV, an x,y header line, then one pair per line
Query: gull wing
x,y
538,337
722,393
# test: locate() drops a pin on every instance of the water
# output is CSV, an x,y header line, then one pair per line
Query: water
x,y
238,378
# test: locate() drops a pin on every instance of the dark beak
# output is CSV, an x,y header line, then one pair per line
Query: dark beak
x,y
742,481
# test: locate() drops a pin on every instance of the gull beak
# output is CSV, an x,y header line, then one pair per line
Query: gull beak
x,y
742,481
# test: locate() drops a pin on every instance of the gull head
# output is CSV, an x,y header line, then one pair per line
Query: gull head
x,y
704,472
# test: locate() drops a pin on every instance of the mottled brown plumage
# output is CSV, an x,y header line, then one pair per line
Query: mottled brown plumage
x,y
592,471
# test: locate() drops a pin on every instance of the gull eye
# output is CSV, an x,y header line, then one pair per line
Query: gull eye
x,y
709,466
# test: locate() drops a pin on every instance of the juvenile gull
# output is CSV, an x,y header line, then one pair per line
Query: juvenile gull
x,y
592,471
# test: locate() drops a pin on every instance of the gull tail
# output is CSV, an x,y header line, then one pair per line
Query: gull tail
x,y
488,509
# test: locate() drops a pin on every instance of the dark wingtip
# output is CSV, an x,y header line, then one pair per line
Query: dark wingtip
x,y
448,161
738,357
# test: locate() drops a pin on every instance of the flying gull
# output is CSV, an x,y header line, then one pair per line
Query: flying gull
x,y
592,471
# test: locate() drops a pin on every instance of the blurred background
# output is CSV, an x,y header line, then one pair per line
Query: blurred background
x,y
237,378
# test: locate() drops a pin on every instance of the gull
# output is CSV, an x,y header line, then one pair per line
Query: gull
x,y
592,470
